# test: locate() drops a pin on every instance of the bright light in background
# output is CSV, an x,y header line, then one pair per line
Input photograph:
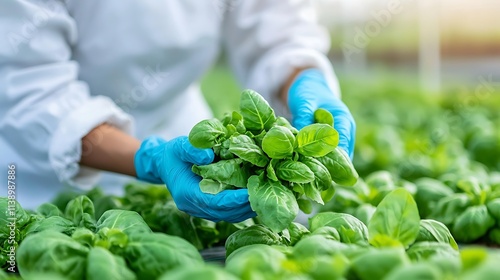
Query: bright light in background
x,y
448,39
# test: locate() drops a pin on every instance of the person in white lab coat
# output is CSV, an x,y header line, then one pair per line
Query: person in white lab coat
x,y
76,77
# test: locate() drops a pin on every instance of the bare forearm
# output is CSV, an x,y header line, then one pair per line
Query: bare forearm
x,y
108,148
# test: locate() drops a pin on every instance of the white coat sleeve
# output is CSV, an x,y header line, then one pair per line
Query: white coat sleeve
x,y
45,109
266,39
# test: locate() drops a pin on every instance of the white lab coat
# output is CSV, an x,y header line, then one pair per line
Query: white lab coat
x,y
68,66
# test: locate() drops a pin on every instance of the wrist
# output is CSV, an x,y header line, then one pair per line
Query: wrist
x,y
148,158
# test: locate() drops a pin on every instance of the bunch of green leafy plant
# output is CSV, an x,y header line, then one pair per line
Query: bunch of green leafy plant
x,y
283,169
118,245
362,199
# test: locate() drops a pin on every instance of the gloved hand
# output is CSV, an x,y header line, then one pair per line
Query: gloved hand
x,y
170,162
308,92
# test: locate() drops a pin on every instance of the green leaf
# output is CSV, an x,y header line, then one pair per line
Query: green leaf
x,y
256,112
167,218
472,257
212,187
322,178
472,224
54,223
305,205
207,133
470,186
235,120
494,209
151,255
84,236
52,252
222,150
365,212
396,217
294,171
323,116
431,230
415,271
377,264
340,167
313,193
280,121
205,272
81,211
255,234
101,264
426,250
256,260
127,221
275,205
297,231
231,172
317,140
429,192
351,230
494,235
245,148
327,232
48,210
449,208
270,172
314,246
328,194
278,142
384,241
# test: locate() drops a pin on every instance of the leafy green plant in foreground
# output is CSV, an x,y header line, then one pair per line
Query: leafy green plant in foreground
x,y
73,245
395,243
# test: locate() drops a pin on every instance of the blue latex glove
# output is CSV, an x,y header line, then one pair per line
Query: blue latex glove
x,y
169,162
308,92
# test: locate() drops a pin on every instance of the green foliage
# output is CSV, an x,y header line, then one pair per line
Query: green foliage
x,y
255,234
376,264
473,223
350,229
427,250
396,219
151,255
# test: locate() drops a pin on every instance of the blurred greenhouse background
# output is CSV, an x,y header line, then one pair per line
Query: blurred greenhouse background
x,y
439,40
433,44
422,79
